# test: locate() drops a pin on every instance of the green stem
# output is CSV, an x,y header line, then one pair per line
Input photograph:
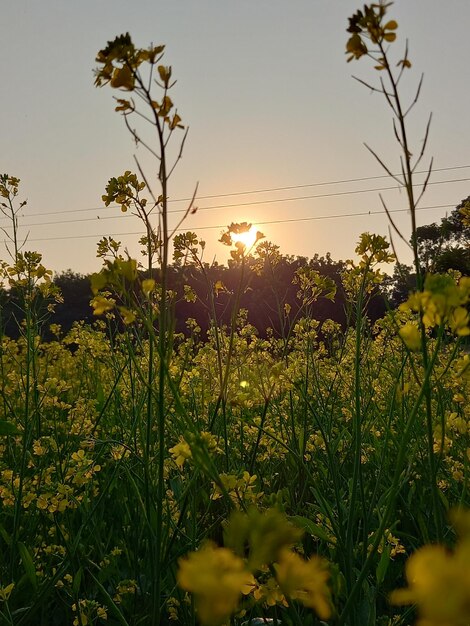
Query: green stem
x,y
357,432
408,182
391,497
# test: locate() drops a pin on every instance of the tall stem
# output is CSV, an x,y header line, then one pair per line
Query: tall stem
x,y
408,181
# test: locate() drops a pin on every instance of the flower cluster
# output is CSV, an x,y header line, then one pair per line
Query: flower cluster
x,y
439,580
219,576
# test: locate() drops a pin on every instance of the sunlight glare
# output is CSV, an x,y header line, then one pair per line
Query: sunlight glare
x,y
248,238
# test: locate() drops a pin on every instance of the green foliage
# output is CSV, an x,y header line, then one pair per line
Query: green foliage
x,y
445,246
86,471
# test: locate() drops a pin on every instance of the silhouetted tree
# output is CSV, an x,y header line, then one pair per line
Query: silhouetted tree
x,y
76,294
399,286
267,287
445,246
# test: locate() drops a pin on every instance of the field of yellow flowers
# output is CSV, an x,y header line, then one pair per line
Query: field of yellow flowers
x,y
153,478
296,472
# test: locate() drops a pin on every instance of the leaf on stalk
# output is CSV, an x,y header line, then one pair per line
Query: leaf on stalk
x,y
28,564
382,567
7,428
310,527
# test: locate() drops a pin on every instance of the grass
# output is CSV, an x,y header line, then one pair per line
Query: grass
x,y
330,431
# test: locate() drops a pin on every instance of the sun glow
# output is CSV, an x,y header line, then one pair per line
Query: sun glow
x,y
247,238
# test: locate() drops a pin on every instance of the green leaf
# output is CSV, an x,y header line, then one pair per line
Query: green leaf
x,y
111,605
100,399
310,527
367,607
28,564
77,579
7,428
443,499
5,535
382,567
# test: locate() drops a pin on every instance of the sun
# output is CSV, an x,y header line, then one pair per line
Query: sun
x,y
247,238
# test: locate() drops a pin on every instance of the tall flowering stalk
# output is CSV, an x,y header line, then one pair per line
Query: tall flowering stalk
x,y
371,33
121,66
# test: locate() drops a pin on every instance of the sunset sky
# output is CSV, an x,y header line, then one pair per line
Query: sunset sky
x,y
271,107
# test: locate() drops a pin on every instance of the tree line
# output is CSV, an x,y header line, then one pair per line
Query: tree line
x,y
268,290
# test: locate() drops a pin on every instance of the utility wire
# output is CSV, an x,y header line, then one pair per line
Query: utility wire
x,y
256,191
285,221
243,204
324,183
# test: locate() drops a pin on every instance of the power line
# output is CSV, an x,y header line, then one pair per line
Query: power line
x,y
324,183
242,204
322,195
257,191
284,221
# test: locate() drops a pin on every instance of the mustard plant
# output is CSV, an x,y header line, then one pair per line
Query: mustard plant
x,y
372,34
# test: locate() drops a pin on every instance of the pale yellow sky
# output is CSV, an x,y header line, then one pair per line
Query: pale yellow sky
x,y
266,91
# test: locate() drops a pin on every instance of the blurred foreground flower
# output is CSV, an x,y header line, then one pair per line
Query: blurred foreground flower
x,y
217,578
305,581
439,580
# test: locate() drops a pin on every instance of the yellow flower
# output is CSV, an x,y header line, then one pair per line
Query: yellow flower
x,y
119,452
180,453
216,577
305,581
459,321
79,457
102,613
128,316
442,301
270,593
123,78
6,591
439,581
38,448
101,304
43,501
411,336
148,285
